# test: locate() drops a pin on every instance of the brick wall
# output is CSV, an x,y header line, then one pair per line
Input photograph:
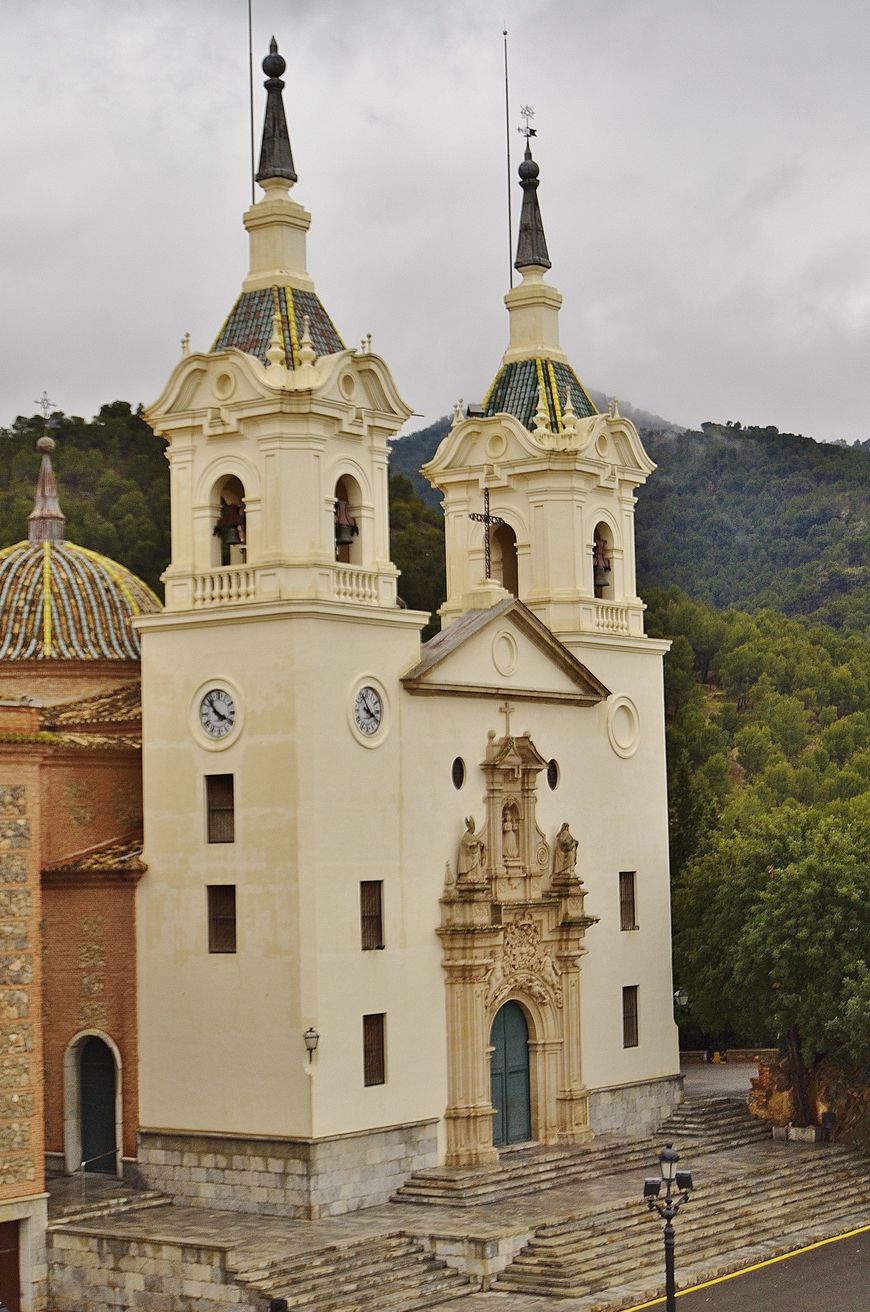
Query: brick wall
x,y
90,798
89,984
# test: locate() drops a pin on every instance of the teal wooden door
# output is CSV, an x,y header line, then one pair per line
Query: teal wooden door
x,y
98,1106
512,1122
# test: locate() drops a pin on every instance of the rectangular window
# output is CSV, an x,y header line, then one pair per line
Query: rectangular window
x,y
627,902
371,918
221,917
373,1049
629,1016
220,808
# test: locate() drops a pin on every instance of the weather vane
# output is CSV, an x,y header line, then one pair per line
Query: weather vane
x,y
527,113
45,406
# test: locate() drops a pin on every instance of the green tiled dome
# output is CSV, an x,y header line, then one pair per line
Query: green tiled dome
x,y
249,324
59,601
515,388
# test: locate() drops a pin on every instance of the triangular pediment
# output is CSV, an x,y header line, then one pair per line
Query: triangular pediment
x,y
503,651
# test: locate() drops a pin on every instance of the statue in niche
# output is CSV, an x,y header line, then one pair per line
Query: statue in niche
x,y
472,855
510,847
565,860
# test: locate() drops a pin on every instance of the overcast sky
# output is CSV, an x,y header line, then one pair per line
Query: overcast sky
x,y
705,188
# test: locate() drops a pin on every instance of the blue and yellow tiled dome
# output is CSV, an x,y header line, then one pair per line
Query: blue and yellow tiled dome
x,y
59,601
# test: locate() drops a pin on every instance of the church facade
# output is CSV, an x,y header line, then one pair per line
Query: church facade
x,y
405,904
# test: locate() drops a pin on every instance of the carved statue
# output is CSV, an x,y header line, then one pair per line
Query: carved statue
x,y
472,854
565,860
509,825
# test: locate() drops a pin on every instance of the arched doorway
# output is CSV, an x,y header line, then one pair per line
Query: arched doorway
x,y
97,1106
511,1098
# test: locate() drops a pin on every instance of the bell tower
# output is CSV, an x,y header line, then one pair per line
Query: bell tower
x,y
558,477
277,436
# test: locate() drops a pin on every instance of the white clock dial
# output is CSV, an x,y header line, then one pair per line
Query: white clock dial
x,y
217,712
368,710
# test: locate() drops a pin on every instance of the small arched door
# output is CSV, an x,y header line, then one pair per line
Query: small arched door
x,y
98,1087
511,1100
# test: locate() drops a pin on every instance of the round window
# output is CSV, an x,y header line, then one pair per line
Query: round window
x,y
458,772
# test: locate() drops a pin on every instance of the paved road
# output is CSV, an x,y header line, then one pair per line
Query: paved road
x,y
835,1278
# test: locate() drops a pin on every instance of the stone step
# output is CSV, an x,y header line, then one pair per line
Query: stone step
x,y
451,1285
533,1175
73,1213
697,1234
573,1259
712,1194
399,1289
391,1271
382,1248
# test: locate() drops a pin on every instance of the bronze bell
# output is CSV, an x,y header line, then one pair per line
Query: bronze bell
x,y
599,575
345,525
232,536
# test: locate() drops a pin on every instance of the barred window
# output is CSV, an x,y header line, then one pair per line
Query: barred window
x,y
371,914
627,899
220,808
629,1016
221,917
374,1065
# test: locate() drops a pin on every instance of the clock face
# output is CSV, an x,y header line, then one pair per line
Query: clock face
x,y
368,711
217,713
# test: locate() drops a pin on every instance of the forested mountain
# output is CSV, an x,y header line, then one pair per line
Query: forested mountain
x,y
755,518
114,485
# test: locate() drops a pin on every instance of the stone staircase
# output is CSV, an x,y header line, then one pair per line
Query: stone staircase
x,y
525,1171
770,1205
699,1126
714,1124
107,1204
387,1273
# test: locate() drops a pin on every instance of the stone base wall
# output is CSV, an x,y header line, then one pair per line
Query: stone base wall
x,y
100,1274
301,1178
637,1108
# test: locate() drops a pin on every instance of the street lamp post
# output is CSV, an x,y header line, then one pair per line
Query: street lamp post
x,y
678,1186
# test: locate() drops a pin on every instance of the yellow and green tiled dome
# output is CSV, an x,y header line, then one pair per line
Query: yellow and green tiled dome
x,y
517,386
249,324
59,601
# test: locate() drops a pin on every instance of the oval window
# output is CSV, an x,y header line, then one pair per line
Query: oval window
x,y
458,772
553,774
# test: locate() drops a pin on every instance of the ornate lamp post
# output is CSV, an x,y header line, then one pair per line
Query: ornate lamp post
x,y
677,1186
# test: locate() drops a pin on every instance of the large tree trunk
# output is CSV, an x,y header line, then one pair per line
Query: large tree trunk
x,y
803,1109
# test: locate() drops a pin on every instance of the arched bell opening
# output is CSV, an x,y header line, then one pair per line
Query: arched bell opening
x,y
348,506
229,538
504,558
93,1124
602,561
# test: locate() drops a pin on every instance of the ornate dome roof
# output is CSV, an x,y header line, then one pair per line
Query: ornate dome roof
x,y
59,601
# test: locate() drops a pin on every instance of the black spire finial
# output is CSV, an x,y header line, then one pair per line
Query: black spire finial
x,y
531,244
276,157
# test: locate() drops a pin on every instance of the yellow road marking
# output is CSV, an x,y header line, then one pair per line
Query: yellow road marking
x,y
756,1266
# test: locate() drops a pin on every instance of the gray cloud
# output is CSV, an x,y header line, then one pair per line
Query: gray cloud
x,y
704,184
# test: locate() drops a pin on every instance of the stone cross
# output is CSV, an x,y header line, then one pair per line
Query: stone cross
x,y
507,711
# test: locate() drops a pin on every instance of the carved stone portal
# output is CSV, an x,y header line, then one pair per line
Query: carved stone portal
x,y
510,931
